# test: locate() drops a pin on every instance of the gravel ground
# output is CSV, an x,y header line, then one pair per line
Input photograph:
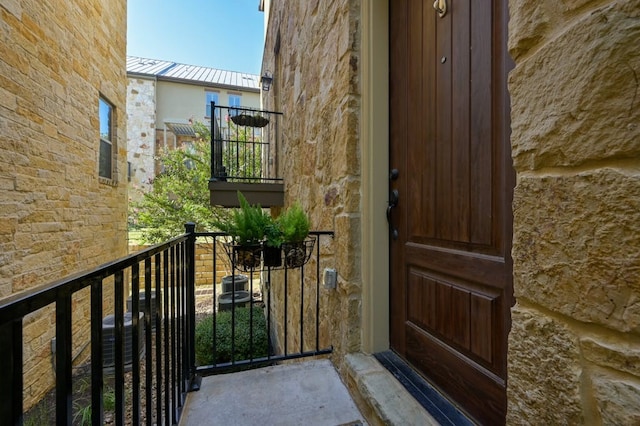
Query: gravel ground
x,y
44,412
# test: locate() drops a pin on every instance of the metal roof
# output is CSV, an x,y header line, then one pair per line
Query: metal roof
x,y
180,129
167,70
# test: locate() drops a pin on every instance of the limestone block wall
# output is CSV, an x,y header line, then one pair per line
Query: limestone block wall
x,y
56,216
204,264
574,346
141,134
312,49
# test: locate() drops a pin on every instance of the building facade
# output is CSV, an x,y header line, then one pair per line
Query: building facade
x,y
63,169
164,99
568,239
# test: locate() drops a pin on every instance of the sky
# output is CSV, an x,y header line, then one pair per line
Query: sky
x,y
224,34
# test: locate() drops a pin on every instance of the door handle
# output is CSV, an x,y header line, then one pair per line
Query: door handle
x,y
441,7
394,195
393,202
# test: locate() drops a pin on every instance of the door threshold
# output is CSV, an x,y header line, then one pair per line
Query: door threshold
x,y
442,410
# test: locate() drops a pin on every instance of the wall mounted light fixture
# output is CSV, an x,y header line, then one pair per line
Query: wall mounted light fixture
x,y
266,80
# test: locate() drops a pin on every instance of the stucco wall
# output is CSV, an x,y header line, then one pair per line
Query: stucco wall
x,y
574,347
56,216
316,87
185,101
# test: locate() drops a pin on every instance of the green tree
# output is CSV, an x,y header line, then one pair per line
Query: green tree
x,y
180,194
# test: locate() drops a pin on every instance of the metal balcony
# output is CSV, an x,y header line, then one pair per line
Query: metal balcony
x,y
244,143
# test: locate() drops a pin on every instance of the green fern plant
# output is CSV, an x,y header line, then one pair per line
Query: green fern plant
x,y
294,223
247,225
273,235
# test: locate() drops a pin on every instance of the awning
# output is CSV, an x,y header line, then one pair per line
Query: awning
x,y
181,129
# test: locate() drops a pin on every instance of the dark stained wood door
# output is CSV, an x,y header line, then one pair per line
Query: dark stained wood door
x,y
451,272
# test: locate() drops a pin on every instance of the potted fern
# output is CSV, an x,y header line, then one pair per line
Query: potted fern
x,y
294,224
273,239
247,227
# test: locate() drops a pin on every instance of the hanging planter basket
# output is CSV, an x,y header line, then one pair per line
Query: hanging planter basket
x,y
244,257
251,257
297,254
250,120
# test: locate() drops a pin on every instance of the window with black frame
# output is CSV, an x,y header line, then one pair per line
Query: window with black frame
x,y
105,165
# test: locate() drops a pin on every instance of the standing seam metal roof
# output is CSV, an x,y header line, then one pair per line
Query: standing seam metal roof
x,y
192,73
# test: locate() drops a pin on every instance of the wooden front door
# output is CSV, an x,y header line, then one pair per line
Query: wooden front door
x,y
451,272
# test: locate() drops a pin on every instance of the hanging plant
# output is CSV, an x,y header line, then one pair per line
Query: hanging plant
x,y
273,239
295,225
248,120
246,226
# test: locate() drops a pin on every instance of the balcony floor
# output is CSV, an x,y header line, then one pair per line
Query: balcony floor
x,y
307,392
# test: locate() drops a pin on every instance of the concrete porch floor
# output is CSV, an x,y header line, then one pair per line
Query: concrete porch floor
x,y
303,393
307,393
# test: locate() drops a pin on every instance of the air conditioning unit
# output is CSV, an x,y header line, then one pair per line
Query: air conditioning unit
x,y
240,282
143,304
109,339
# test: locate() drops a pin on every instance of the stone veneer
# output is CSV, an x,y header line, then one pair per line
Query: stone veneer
x,y
56,216
141,134
574,346
316,87
204,272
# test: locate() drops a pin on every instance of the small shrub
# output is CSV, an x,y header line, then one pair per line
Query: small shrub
x,y
243,347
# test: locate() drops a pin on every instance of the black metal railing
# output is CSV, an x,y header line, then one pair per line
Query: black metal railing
x,y
162,283
167,325
270,289
244,144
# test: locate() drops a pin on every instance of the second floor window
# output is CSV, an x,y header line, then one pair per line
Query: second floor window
x,y
210,97
106,139
234,101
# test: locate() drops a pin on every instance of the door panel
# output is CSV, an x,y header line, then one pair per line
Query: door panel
x,y
451,278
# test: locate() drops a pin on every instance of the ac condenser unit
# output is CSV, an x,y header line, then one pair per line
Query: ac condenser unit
x,y
109,339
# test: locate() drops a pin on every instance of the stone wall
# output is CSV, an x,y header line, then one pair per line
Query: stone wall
x,y
312,48
141,134
56,216
574,347
204,263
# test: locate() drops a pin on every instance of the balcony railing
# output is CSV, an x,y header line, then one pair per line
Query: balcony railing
x,y
292,331
244,146
150,386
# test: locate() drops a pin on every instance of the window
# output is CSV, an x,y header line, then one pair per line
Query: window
x,y
190,149
234,101
105,169
210,97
